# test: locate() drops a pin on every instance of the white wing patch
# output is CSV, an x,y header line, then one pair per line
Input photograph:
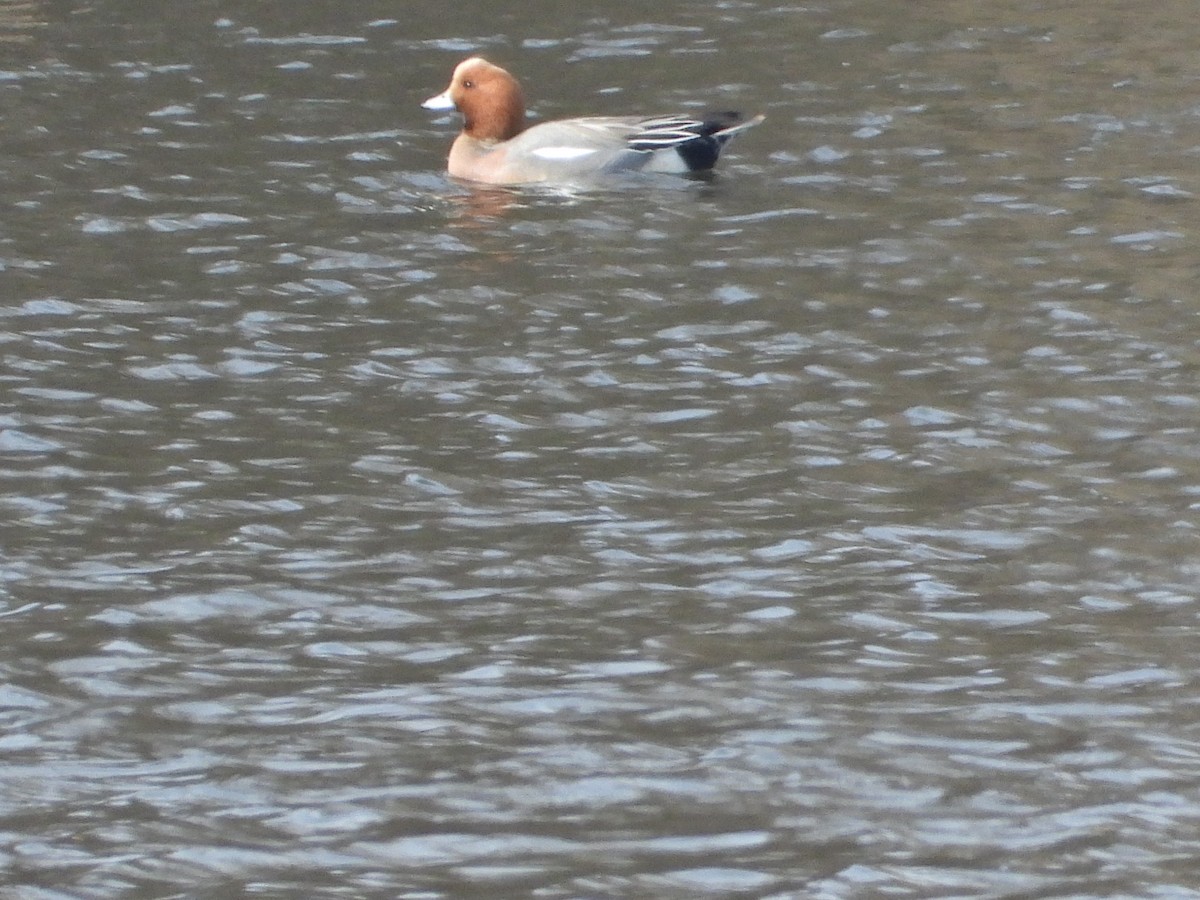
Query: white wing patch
x,y
563,153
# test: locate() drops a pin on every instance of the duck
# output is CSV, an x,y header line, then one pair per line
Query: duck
x,y
497,146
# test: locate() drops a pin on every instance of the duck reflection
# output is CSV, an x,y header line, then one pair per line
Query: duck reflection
x,y
20,20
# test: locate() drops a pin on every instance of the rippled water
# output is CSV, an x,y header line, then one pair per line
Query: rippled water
x,y
823,529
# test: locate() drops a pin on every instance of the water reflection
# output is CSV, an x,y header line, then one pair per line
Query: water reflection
x,y
824,529
20,20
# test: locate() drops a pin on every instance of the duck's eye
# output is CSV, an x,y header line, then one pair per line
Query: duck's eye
x,y
468,83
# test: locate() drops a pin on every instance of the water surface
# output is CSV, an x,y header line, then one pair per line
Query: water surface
x,y
824,529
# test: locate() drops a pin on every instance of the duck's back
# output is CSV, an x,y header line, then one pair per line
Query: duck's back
x,y
605,144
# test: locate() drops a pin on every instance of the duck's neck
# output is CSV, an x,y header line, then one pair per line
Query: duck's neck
x,y
501,122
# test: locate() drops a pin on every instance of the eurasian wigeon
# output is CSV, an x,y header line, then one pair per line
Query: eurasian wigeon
x,y
496,147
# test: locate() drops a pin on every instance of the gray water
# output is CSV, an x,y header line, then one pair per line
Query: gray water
x,y
824,529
